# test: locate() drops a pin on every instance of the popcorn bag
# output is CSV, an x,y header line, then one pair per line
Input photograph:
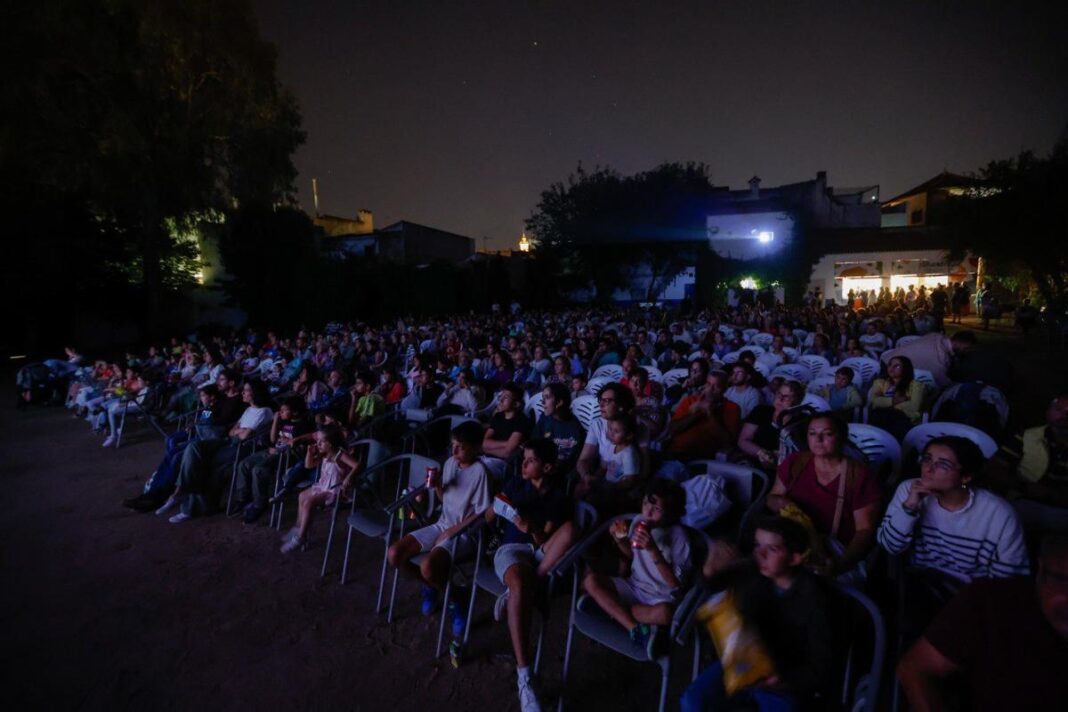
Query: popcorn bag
x,y
745,661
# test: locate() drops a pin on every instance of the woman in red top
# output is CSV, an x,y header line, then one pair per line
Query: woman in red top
x,y
838,493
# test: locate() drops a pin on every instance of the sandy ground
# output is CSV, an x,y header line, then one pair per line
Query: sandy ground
x,y
104,608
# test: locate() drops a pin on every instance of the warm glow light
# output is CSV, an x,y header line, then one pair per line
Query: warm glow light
x,y
524,243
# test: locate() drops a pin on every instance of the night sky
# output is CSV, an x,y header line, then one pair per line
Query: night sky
x,y
457,114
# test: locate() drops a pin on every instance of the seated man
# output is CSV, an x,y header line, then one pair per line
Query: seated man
x,y
534,540
507,429
1007,638
705,423
655,557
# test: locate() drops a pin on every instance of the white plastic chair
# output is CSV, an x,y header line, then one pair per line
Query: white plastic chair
x,y
917,438
905,340
819,383
926,377
801,335
610,371
594,385
989,394
726,330
730,357
814,363
791,353
755,349
748,334
762,340
586,409
762,368
878,446
817,402
655,375
674,377
866,368
793,372
534,408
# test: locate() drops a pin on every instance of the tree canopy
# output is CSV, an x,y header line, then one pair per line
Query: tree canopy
x,y
595,227
1016,217
128,117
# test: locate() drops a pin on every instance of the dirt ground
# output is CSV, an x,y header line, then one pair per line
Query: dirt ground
x,y
103,608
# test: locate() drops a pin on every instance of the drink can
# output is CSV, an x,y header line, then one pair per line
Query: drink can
x,y
432,477
639,527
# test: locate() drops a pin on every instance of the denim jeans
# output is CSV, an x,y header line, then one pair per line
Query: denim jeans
x,y
708,694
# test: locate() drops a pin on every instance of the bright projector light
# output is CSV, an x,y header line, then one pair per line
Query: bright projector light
x,y
748,283
765,236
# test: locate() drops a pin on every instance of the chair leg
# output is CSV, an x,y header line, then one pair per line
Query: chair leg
x,y
696,657
330,537
345,562
570,639
444,614
382,578
543,623
122,424
474,590
233,481
665,675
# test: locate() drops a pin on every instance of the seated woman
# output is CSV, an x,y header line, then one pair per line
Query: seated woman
x,y
943,522
759,438
838,494
897,401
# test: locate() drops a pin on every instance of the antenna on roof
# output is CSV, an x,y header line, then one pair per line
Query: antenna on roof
x,y
315,195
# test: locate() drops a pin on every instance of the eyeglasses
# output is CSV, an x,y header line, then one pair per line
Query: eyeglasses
x,y
943,466
604,401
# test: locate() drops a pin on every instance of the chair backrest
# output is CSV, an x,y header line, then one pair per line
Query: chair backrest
x,y
793,372
695,355
916,439
800,335
755,349
655,375
861,634
586,409
926,377
814,363
878,446
610,371
988,394
585,516
819,404
762,368
905,340
594,385
730,357
426,345
748,334
372,451
791,352
674,377
763,340
534,408
866,368
726,329
745,486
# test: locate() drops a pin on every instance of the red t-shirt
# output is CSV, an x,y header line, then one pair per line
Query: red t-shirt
x,y
819,501
1012,657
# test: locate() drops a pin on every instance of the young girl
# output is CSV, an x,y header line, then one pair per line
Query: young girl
x,y
336,471
623,466
656,559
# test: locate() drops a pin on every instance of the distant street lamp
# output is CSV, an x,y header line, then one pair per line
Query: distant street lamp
x,y
524,243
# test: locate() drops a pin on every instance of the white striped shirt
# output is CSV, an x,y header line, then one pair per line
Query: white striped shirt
x,y
983,539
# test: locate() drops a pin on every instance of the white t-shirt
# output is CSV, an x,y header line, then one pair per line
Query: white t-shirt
x,y
625,463
745,400
256,419
465,492
675,547
598,435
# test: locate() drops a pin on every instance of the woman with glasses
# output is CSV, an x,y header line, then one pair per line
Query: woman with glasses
x,y
941,521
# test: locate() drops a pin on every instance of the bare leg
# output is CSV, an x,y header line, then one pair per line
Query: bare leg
x,y
400,556
309,499
660,614
520,581
602,591
556,547
434,569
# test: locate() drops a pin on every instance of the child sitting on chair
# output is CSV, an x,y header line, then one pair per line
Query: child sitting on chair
x,y
464,491
787,609
656,560
336,471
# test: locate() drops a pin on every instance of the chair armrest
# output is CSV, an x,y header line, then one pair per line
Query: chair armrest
x,y
405,500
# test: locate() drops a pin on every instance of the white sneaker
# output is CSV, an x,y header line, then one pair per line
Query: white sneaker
x,y
528,700
109,441
179,518
291,534
291,544
167,506
500,606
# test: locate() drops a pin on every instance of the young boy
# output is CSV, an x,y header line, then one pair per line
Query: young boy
x,y
534,540
507,429
789,611
464,492
365,404
656,561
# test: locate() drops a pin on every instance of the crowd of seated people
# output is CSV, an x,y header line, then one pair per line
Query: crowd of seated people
x,y
276,413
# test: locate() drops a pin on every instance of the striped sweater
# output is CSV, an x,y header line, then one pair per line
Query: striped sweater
x,y
981,540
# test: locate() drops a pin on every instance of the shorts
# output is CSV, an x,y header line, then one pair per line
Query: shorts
x,y
508,555
428,535
630,595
